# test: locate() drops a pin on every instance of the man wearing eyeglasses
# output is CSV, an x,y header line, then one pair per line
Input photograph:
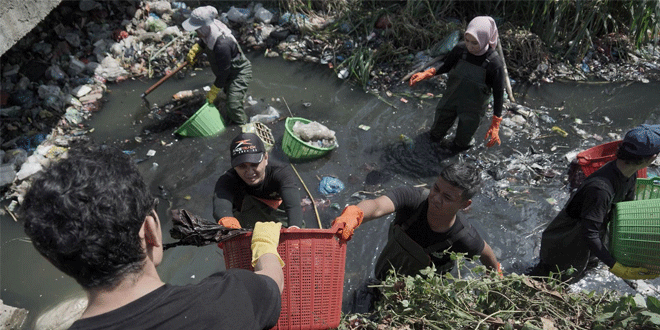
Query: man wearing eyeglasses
x,y
92,216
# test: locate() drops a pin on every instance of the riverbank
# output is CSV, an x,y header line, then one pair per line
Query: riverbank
x,y
55,78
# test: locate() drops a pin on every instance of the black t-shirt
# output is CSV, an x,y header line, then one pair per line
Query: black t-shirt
x,y
407,200
494,71
279,183
233,299
593,202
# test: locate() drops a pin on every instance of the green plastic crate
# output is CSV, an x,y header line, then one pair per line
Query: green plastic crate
x,y
647,188
636,234
205,122
298,149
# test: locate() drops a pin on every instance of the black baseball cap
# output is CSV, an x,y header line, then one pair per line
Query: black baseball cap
x,y
643,140
246,148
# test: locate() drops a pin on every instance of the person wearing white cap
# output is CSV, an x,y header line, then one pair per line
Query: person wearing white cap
x,y
575,238
233,71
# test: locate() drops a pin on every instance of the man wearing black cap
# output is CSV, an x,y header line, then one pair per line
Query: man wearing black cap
x,y
232,70
576,235
256,188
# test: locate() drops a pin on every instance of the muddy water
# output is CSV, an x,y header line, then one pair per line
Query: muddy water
x,y
183,171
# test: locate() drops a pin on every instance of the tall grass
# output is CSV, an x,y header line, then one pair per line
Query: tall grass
x,y
569,27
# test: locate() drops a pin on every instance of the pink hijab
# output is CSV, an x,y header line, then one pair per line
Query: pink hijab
x,y
484,29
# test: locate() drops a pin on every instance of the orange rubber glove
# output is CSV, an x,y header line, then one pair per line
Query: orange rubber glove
x,y
229,222
419,76
494,132
351,217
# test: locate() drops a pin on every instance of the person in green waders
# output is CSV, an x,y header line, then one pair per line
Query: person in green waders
x,y
232,70
576,238
475,73
427,225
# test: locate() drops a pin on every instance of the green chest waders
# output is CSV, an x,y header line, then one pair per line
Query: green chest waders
x,y
405,255
466,98
238,80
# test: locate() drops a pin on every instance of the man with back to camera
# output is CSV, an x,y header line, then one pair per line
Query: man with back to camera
x,y
577,234
92,216
256,188
424,227
232,70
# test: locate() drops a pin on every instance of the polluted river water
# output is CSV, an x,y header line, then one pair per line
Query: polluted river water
x,y
510,213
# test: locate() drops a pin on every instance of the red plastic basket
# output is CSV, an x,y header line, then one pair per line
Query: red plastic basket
x,y
594,158
313,275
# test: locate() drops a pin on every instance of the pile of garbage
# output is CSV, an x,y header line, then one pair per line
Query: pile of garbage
x,y
315,134
56,76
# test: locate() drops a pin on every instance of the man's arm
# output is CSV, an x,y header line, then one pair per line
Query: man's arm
x,y
376,208
291,204
223,197
269,265
488,258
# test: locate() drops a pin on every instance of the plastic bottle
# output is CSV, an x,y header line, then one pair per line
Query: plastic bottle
x,y
184,94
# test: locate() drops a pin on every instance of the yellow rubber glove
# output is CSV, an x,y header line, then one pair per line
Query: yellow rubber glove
x,y
632,273
265,237
419,76
352,218
212,94
494,132
191,58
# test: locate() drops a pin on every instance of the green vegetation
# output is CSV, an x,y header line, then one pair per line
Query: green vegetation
x,y
481,299
531,31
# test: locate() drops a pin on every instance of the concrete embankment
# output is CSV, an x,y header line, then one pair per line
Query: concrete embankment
x,y
18,17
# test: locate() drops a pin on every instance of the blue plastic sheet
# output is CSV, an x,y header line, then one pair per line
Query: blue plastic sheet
x,y
330,185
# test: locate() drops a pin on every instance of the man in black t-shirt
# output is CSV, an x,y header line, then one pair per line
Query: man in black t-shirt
x,y
92,216
426,224
576,236
256,188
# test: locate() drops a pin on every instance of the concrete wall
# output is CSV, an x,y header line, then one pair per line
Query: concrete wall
x,y
18,17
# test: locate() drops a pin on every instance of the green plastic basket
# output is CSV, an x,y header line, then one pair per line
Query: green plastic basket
x,y
636,234
647,188
205,122
296,148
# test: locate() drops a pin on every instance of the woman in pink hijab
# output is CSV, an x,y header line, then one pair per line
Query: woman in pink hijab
x,y
475,73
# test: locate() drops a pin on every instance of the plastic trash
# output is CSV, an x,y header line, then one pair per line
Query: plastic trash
x,y
446,44
263,15
28,169
559,131
238,15
156,24
313,131
585,67
330,185
271,115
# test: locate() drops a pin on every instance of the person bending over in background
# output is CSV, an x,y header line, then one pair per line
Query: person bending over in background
x,y
92,216
232,70
256,188
475,72
426,224
576,237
